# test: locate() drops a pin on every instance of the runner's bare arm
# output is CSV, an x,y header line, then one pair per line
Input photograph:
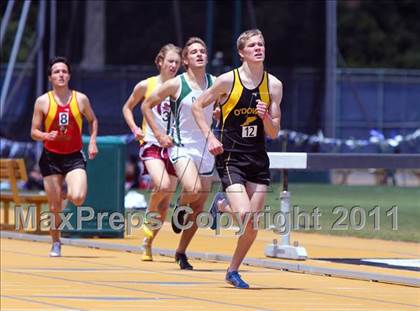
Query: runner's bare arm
x,y
169,88
221,86
271,114
135,98
41,105
87,111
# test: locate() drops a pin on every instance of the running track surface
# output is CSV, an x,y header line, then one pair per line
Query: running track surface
x,y
93,279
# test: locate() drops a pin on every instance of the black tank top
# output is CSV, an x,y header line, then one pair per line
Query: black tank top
x,y
240,129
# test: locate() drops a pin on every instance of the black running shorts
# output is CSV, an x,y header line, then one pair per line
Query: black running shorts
x,y
60,164
239,168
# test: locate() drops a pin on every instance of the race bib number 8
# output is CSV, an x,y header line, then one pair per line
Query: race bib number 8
x,y
63,118
249,131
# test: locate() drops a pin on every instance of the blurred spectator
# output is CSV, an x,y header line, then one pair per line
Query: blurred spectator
x,y
29,152
217,63
132,173
34,180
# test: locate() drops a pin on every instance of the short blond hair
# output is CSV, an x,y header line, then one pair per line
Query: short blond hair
x,y
245,36
163,51
190,42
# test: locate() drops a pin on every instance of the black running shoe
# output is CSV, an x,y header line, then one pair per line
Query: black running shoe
x,y
181,219
182,261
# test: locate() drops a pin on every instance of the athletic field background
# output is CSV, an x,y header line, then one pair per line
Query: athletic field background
x,y
341,198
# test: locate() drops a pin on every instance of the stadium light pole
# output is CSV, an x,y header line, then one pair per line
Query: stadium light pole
x,y
5,20
13,56
178,22
251,13
209,27
53,28
237,17
330,99
94,42
40,55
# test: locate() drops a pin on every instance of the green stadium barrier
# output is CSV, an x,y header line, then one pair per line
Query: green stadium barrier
x,y
106,177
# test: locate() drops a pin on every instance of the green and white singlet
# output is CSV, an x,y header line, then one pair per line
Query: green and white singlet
x,y
189,141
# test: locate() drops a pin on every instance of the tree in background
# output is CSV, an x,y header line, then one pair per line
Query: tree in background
x,y
375,33
371,33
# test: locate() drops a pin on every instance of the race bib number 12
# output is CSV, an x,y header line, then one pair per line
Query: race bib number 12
x,y
249,131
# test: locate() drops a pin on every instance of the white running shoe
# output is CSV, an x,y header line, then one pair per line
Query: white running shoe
x,y
55,250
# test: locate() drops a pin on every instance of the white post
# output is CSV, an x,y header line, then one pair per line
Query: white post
x,y
285,210
285,250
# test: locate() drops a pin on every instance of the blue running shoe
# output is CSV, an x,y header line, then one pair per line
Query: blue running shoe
x,y
234,279
214,210
55,249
